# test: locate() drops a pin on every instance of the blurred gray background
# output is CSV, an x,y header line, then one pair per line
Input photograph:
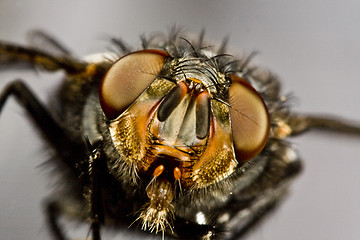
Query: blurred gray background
x,y
313,46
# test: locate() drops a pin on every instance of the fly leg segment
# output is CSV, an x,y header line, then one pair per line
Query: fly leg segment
x,y
18,56
296,124
53,211
302,123
96,163
92,210
39,114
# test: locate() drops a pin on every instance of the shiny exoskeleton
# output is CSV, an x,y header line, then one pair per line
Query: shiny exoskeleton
x,y
176,137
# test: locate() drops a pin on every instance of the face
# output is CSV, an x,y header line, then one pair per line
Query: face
x,y
180,123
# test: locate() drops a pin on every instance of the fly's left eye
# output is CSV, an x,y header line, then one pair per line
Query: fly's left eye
x,y
249,119
128,78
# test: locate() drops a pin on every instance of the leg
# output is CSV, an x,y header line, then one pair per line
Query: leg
x,y
302,123
93,210
93,193
52,132
53,211
14,55
63,207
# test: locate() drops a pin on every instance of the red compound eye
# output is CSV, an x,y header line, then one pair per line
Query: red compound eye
x,y
128,78
249,119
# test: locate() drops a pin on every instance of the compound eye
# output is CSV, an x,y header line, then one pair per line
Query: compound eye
x,y
249,119
127,78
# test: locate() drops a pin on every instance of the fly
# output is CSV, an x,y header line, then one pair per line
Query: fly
x,y
176,138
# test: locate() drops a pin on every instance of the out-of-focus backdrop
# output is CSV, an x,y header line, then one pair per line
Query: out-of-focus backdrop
x,y
313,46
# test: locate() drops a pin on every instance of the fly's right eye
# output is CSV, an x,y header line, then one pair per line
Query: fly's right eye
x,y
128,78
249,119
